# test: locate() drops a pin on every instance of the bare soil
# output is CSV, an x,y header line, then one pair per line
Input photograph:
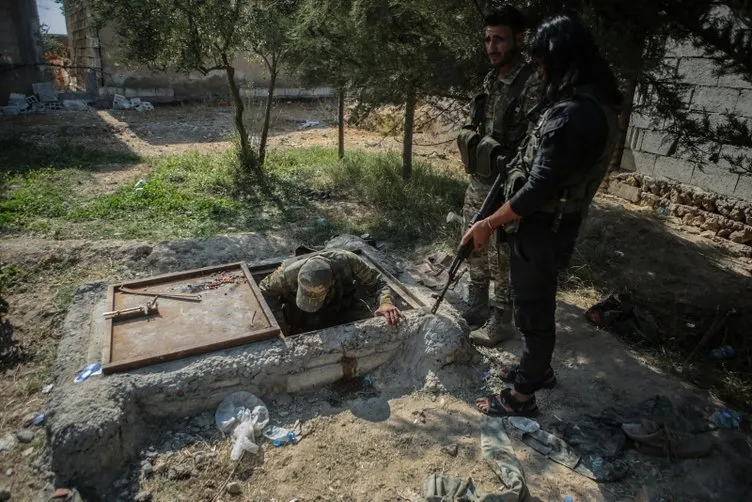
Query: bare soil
x,y
383,446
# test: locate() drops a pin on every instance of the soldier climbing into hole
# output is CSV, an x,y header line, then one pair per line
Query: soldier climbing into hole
x,y
316,290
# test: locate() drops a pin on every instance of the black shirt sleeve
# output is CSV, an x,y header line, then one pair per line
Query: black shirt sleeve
x,y
572,139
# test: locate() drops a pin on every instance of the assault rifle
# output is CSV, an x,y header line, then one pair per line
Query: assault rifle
x,y
490,204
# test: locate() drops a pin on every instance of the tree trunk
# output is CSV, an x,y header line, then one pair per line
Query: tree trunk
x,y
341,123
624,117
268,110
247,157
407,143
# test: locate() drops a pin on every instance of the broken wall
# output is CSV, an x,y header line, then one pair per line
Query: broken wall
x,y
21,52
647,146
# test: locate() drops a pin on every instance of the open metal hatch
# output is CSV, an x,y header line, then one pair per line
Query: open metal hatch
x,y
231,311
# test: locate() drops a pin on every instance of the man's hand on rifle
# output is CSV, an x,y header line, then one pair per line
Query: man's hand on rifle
x,y
479,233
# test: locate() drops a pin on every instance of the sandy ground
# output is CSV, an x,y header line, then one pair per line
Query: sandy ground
x,y
378,446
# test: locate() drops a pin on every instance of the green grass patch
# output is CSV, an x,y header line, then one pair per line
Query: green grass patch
x,y
17,155
308,192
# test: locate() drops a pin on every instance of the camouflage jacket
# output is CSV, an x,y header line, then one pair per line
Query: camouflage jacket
x,y
350,273
511,127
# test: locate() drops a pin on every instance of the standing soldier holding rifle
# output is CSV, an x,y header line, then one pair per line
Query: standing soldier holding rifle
x,y
498,124
547,195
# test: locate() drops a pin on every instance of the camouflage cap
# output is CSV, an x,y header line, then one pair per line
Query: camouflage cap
x,y
314,279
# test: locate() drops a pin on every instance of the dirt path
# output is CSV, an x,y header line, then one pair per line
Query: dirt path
x,y
382,447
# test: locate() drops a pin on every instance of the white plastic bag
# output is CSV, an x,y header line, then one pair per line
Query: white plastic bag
x,y
244,416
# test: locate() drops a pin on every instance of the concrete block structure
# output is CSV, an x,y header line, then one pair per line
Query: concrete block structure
x,y
21,54
648,146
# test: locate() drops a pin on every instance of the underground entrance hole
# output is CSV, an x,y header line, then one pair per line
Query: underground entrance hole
x,y
198,311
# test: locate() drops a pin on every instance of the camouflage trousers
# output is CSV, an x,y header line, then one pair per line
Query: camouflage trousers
x,y
491,262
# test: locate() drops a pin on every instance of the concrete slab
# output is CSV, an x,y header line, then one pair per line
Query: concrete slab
x,y
96,427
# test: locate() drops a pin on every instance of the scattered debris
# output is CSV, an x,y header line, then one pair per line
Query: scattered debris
x,y
524,424
420,416
244,416
140,184
619,313
726,418
27,452
234,488
652,438
306,124
120,102
289,439
38,419
453,217
224,278
8,442
451,449
87,371
274,432
179,472
48,388
25,436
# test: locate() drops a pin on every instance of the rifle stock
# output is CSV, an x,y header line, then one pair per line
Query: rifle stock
x,y
490,204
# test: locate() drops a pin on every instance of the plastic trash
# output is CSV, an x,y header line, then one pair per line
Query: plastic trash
x,y
38,419
524,424
87,371
568,498
726,418
140,184
289,439
722,353
274,433
243,416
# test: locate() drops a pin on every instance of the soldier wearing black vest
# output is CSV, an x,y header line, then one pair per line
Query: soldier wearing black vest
x,y
498,123
548,194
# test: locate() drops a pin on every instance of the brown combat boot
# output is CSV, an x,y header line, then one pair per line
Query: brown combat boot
x,y
497,329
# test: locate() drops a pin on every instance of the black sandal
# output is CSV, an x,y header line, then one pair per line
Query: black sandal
x,y
511,376
496,404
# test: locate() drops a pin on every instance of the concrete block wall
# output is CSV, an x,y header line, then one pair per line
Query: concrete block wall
x,y
21,53
647,146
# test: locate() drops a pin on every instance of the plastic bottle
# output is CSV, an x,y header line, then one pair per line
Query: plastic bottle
x,y
568,498
524,424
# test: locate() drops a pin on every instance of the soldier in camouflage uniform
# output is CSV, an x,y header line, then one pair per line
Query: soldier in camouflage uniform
x,y
316,289
507,100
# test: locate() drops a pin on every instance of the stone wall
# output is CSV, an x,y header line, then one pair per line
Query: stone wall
x,y
714,214
647,147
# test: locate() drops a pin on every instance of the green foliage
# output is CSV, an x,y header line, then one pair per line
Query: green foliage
x,y
401,212
197,195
